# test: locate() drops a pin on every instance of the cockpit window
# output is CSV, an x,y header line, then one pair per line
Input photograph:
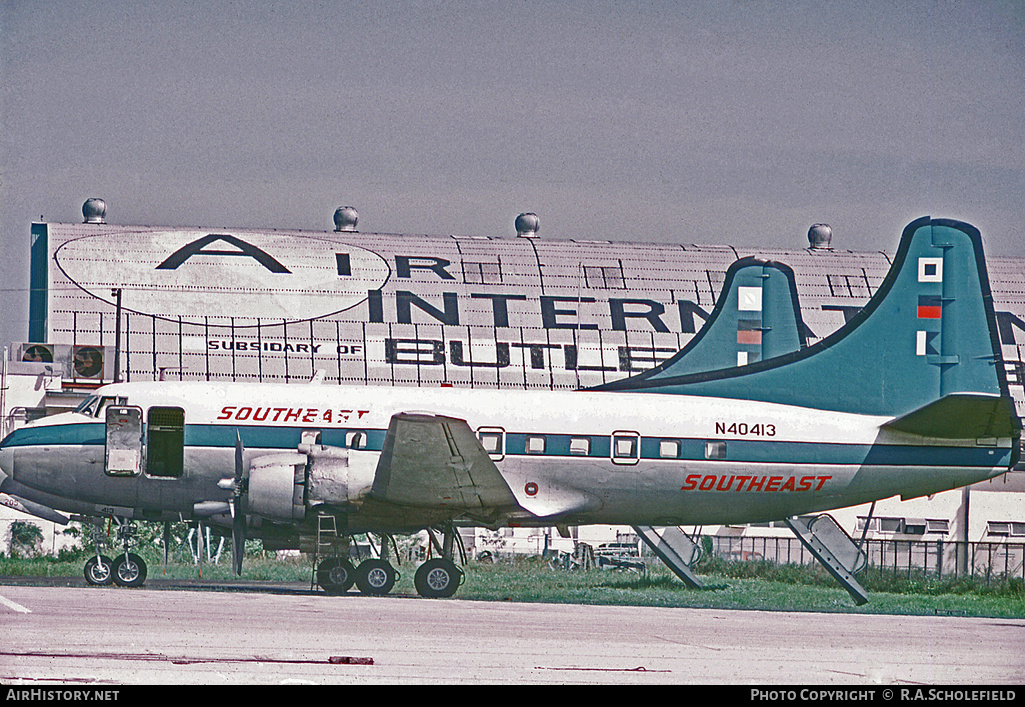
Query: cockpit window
x,y
94,405
89,406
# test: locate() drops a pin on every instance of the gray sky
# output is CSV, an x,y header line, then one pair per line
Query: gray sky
x,y
696,122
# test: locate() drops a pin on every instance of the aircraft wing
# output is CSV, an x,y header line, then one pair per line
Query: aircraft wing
x,y
433,460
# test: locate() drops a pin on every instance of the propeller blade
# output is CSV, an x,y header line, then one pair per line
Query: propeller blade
x,y
238,456
238,511
238,543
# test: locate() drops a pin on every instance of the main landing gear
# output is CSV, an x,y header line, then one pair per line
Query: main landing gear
x,y
126,569
374,576
436,578
439,577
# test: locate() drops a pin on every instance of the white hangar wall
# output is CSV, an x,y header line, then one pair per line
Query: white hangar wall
x,y
271,305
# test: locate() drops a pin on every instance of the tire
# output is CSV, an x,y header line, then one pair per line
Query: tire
x,y
99,573
438,578
129,570
335,575
375,577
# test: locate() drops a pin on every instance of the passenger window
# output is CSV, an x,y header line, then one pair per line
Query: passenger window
x,y
715,450
492,439
580,446
165,442
535,445
626,448
492,442
669,449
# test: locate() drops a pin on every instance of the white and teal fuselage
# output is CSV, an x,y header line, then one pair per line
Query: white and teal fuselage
x,y
637,458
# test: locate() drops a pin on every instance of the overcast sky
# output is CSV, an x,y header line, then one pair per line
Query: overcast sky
x,y
694,122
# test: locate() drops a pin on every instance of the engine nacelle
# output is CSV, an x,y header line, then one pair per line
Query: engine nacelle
x,y
337,475
281,486
277,486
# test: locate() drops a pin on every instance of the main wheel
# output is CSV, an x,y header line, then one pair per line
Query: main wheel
x,y
129,570
375,577
437,578
335,575
99,572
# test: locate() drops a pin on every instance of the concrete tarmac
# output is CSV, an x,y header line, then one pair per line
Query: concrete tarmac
x,y
89,636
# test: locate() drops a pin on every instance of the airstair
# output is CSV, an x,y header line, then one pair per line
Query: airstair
x,y
831,546
675,548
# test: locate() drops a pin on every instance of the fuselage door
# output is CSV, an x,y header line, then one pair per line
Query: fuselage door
x,y
165,443
123,455
626,448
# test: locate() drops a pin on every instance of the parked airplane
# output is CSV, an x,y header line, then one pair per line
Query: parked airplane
x,y
907,398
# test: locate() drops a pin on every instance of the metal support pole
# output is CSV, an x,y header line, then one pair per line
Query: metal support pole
x,y
116,292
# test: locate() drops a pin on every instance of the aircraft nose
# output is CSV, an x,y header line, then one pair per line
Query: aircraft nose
x,y
6,464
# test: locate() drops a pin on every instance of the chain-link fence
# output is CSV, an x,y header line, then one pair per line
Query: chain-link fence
x,y
939,558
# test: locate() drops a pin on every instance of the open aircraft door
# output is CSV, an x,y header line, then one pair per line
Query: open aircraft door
x,y
123,455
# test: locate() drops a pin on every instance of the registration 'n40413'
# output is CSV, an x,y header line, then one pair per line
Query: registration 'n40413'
x,y
745,429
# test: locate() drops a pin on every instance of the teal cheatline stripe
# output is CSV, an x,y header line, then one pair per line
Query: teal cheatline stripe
x,y
269,437
39,279
767,452
559,445
83,433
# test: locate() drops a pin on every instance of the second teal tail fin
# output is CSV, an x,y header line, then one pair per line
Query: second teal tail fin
x,y
757,317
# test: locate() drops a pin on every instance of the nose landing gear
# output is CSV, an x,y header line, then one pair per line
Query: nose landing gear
x,y
126,569
129,570
99,571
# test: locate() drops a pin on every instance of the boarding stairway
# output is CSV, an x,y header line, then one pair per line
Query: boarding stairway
x,y
675,548
821,534
832,547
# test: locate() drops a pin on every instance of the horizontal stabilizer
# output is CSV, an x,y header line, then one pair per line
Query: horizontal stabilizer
x,y
962,416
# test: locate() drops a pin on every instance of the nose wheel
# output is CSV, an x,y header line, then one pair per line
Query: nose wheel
x,y
125,570
129,570
99,571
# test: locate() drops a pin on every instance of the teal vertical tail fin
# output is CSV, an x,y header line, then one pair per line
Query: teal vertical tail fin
x,y
756,317
927,333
